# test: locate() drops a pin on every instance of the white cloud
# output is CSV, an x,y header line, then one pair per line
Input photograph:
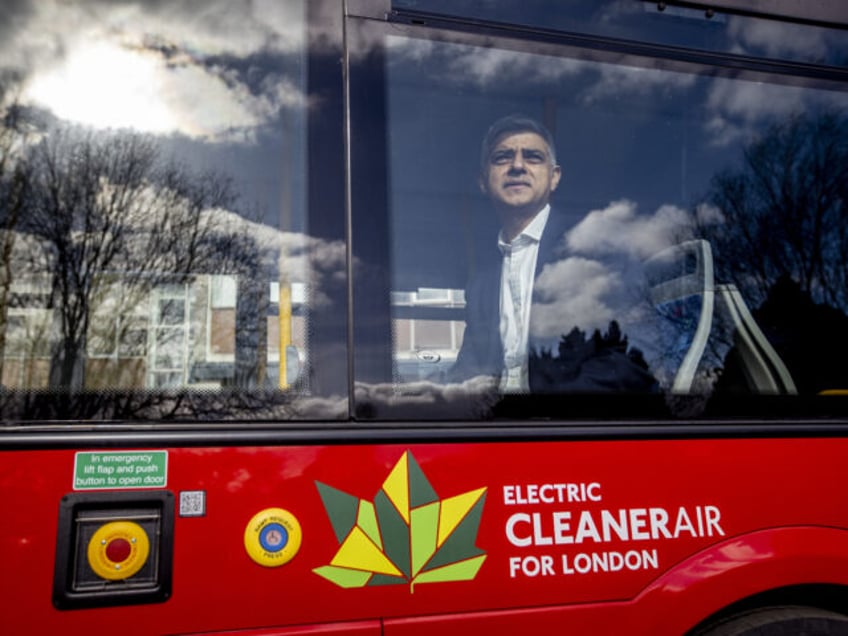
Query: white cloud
x,y
615,80
601,279
574,292
738,109
619,230
428,400
776,39
299,255
157,67
706,214
483,65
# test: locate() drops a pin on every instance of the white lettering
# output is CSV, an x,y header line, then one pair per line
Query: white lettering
x,y
586,528
535,494
637,523
608,522
599,526
531,566
561,528
713,517
538,537
683,523
514,539
633,560
659,520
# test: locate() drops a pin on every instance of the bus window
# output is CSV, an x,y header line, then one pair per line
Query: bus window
x,y
159,256
671,237
731,26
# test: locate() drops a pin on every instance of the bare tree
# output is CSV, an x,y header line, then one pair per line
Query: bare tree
x,y
785,211
14,184
113,221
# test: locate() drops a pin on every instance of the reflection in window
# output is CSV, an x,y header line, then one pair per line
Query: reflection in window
x,y
664,24
674,241
152,172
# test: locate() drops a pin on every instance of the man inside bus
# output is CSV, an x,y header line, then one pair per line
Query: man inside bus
x,y
519,173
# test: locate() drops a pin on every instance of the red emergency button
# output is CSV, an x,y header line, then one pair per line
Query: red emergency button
x,y
118,550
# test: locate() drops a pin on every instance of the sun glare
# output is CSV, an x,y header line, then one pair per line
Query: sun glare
x,y
106,86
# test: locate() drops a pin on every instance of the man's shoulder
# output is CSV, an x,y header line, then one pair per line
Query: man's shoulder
x,y
553,238
558,220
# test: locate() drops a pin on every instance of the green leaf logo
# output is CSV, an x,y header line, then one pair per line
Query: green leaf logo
x,y
406,535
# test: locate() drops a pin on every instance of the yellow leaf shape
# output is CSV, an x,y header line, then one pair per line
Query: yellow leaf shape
x,y
454,510
396,487
358,552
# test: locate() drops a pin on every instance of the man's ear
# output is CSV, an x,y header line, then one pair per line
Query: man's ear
x,y
555,177
481,182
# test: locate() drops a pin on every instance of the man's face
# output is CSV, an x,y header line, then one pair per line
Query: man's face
x,y
520,175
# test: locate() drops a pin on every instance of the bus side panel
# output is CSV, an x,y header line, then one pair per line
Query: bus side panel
x,y
744,566
694,590
393,531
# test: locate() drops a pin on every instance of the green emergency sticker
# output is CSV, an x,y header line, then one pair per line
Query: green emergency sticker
x,y
120,469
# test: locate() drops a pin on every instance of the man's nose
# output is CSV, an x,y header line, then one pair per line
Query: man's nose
x,y
517,163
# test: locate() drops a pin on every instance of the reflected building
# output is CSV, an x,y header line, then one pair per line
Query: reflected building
x,y
178,333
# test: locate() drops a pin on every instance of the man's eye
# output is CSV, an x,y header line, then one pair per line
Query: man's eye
x,y
534,157
500,158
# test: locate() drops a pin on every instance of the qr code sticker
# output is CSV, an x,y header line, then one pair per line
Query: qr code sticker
x,y
193,503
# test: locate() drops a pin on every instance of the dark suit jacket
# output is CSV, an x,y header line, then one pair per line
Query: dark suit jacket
x,y
482,350
589,368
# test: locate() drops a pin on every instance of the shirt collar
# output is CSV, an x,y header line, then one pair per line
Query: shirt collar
x,y
530,234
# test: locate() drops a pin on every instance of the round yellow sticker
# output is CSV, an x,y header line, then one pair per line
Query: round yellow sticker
x,y
272,537
117,550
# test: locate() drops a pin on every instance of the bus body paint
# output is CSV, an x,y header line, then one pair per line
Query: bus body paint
x,y
666,520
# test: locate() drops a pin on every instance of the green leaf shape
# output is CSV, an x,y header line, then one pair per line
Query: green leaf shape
x,y
394,531
460,544
344,577
420,491
341,508
377,546
423,534
461,571
367,520
385,579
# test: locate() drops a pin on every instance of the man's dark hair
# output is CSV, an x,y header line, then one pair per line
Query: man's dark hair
x,y
510,125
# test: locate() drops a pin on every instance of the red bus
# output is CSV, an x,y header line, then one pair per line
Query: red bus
x,y
401,316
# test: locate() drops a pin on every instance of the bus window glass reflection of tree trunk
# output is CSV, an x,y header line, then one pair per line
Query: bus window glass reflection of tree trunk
x,y
778,225
110,206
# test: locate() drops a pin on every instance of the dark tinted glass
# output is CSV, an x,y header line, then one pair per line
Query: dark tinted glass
x,y
699,255
159,257
660,23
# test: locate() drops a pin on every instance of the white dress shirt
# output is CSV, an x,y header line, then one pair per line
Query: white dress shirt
x,y
517,274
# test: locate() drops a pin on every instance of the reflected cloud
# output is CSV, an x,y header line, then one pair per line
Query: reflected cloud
x,y
297,256
480,65
614,81
157,67
464,64
574,292
737,109
777,39
599,277
619,229
238,481
473,399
